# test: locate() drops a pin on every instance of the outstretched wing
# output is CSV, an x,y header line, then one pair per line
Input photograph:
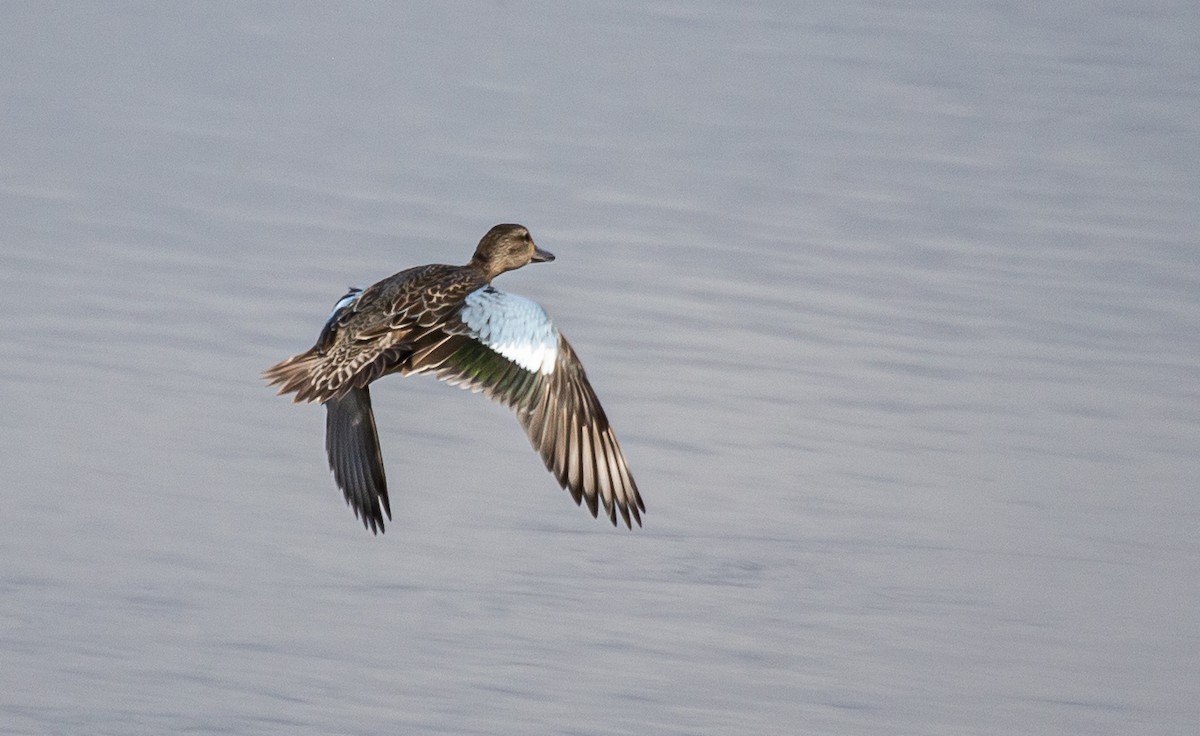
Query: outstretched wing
x,y
506,346
352,444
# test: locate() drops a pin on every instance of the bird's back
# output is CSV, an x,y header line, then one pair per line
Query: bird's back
x,y
368,334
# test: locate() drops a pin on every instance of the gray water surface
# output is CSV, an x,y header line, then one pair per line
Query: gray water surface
x,y
895,310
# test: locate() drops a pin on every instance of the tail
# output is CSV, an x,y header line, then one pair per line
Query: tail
x,y
352,444
296,375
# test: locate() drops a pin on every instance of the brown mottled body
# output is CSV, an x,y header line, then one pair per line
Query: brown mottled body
x,y
411,323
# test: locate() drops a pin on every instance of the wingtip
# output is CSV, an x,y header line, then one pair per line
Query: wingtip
x,y
371,522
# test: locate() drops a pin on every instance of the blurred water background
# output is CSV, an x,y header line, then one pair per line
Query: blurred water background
x,y
895,308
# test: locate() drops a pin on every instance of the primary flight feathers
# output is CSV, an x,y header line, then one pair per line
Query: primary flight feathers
x,y
449,321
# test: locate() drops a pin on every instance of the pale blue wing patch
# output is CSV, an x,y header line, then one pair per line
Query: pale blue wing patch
x,y
513,326
345,304
349,299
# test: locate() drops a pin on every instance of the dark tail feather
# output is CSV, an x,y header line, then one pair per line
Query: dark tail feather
x,y
353,447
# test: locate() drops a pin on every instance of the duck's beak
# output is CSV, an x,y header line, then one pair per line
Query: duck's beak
x,y
541,256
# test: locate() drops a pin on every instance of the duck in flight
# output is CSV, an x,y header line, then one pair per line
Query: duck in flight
x,y
449,321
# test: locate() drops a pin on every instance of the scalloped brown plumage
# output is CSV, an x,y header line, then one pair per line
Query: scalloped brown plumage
x,y
450,322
